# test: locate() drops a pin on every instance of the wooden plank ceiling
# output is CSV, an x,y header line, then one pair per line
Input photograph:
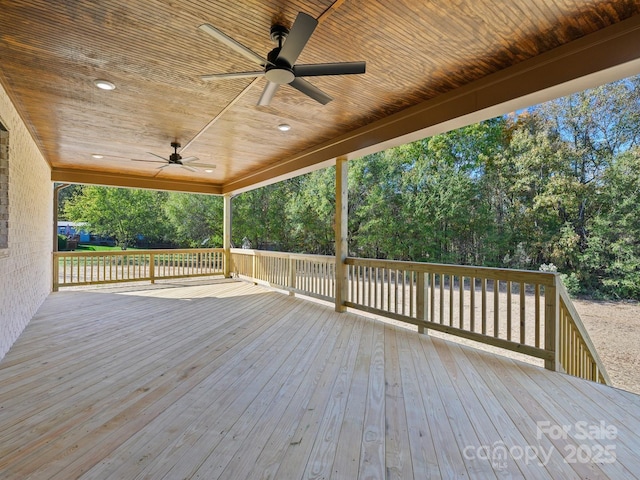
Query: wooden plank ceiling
x,y
153,51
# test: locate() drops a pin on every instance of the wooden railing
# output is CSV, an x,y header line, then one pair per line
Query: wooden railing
x,y
518,310
504,308
311,275
576,354
523,311
92,268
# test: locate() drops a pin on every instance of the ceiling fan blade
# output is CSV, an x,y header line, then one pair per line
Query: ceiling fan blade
x,y
268,93
189,160
163,166
311,91
189,168
319,69
233,44
224,76
298,37
150,161
158,156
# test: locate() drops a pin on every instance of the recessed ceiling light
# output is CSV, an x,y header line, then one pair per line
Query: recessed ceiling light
x,y
96,155
104,84
284,127
208,170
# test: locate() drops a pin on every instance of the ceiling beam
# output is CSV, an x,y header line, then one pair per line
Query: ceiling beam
x,y
604,56
70,175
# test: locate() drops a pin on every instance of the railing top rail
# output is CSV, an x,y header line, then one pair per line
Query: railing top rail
x,y
568,304
269,253
136,252
526,276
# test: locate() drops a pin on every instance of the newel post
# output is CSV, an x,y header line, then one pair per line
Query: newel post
x,y
551,324
152,267
292,275
341,222
226,235
56,266
56,272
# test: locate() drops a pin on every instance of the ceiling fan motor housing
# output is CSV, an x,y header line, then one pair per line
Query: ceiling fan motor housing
x,y
278,71
175,157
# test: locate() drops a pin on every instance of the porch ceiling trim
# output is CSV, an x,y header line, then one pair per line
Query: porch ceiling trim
x,y
69,175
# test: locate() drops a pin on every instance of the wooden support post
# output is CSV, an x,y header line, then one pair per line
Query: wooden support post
x,y
56,269
56,273
341,219
551,324
226,235
254,267
152,267
292,275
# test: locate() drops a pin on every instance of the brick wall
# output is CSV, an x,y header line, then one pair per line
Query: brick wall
x,y
25,263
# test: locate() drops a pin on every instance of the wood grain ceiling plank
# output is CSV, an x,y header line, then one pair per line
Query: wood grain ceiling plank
x,y
154,53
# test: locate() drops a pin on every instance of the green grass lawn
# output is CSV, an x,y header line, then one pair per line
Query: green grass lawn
x,y
101,248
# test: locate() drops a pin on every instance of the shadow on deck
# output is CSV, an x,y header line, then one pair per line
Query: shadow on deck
x,y
225,379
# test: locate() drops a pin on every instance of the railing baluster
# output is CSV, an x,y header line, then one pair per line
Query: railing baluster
x,y
432,289
375,288
522,313
386,278
441,305
411,295
472,304
537,313
404,290
509,310
461,305
395,290
496,308
484,306
451,295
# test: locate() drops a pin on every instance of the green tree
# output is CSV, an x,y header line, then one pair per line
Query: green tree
x,y
311,212
119,212
64,195
589,129
196,220
612,258
260,216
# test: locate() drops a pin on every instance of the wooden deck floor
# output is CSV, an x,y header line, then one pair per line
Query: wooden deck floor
x,y
224,379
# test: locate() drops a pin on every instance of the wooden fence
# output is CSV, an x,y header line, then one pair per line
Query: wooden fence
x,y
94,268
311,275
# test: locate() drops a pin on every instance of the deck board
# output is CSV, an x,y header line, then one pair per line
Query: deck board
x,y
220,379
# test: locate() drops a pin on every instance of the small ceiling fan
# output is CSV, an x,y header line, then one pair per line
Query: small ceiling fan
x,y
175,158
279,66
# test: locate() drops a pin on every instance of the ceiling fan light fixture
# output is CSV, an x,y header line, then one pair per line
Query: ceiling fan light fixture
x,y
104,84
284,127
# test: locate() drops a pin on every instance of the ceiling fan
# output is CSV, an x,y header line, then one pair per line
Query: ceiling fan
x,y
279,67
175,158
